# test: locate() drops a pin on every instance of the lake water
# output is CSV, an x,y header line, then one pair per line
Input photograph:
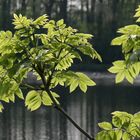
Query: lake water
x,y
16,123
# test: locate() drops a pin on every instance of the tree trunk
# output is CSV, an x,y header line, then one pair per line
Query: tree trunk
x,y
5,13
48,6
92,10
24,6
34,9
114,15
82,10
63,9
87,10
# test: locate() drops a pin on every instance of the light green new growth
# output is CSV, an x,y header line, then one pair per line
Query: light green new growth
x,y
124,126
47,49
129,68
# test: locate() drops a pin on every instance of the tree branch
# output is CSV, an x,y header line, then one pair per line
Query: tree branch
x,y
60,109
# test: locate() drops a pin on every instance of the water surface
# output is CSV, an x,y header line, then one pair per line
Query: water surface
x,y
16,123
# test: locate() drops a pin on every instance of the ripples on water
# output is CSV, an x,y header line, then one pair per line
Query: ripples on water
x,y
16,123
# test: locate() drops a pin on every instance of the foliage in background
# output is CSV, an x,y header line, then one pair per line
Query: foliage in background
x,y
124,126
98,17
129,68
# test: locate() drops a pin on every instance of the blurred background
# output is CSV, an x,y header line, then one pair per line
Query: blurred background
x,y
101,18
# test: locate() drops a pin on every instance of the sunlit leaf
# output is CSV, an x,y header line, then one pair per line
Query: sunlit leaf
x,y
105,125
1,107
33,100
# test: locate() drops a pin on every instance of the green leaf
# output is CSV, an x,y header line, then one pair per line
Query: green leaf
x,y
136,118
129,29
89,51
117,122
33,100
12,97
85,79
65,60
126,136
119,40
81,80
83,86
124,70
41,20
119,63
88,36
73,85
19,94
114,69
60,22
105,125
103,135
55,96
136,67
1,107
118,134
120,77
46,100
137,12
129,77
121,119
21,22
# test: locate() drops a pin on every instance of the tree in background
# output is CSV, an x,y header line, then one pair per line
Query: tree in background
x,y
125,126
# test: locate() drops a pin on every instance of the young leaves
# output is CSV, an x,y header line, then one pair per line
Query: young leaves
x,y
137,14
21,21
73,80
80,80
41,46
46,100
41,20
105,125
123,70
34,99
1,107
65,60
129,39
124,126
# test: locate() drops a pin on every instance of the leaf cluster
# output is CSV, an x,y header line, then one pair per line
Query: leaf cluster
x,y
130,43
124,126
47,49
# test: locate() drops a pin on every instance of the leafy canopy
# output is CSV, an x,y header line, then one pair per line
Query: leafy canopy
x,y
45,48
129,68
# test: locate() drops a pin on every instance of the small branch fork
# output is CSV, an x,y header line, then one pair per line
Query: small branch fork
x,y
47,84
60,109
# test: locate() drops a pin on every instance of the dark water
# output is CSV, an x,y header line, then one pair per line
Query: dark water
x,y
16,123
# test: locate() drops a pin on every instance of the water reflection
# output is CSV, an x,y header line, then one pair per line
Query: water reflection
x,y
16,123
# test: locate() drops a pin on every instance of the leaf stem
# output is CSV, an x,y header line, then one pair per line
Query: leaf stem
x,y
47,84
61,110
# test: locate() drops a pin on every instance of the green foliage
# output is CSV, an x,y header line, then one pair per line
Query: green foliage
x,y
34,99
123,70
129,68
124,126
47,49
138,14
1,107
